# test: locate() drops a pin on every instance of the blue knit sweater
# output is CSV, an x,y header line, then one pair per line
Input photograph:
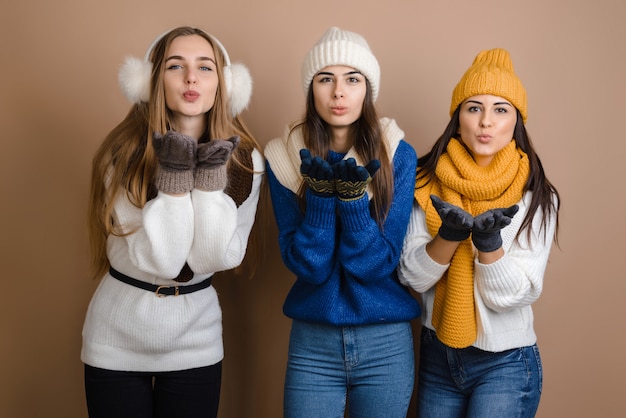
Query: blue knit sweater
x,y
345,266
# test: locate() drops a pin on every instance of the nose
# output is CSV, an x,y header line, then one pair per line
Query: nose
x,y
190,77
485,120
338,92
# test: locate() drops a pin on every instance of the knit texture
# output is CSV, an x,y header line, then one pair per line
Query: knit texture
x,y
491,73
284,153
240,175
341,47
345,265
504,291
211,179
461,182
174,181
131,329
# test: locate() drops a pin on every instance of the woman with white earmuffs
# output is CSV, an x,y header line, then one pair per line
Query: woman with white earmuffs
x,y
173,199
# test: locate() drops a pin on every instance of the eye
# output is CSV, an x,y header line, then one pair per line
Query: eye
x,y
207,65
501,110
354,80
174,67
473,109
324,79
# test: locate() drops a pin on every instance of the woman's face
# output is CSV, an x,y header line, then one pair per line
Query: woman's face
x,y
486,125
338,93
190,78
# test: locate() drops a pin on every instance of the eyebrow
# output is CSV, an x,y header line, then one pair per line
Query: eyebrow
x,y
348,73
496,103
179,57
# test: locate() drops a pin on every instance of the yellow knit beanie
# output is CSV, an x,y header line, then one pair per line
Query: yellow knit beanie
x,y
491,73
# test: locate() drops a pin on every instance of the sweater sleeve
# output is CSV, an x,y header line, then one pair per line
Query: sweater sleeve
x,y
306,240
366,251
516,279
221,229
416,268
159,235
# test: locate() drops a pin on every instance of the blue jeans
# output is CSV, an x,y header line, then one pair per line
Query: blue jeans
x,y
470,382
368,370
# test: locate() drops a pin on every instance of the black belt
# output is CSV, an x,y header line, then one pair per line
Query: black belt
x,y
160,291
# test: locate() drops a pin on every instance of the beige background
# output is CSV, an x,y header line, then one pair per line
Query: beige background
x,y
59,97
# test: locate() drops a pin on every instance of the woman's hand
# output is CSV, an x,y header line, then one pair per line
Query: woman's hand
x,y
456,224
352,179
487,226
317,174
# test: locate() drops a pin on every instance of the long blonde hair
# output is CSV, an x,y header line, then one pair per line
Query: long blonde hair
x,y
126,162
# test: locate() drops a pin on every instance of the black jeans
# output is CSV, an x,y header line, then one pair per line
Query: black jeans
x,y
193,393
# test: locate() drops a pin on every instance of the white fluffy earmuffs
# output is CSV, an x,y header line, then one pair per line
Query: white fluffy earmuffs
x,y
134,78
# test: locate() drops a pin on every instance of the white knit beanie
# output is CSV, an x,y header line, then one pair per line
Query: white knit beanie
x,y
340,47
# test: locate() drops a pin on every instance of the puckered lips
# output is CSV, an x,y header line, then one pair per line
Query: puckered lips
x,y
191,95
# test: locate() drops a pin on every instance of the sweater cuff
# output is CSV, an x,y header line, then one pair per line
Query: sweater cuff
x,y
210,179
320,211
174,181
355,214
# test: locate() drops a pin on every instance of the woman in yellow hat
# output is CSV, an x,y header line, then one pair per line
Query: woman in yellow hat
x,y
483,221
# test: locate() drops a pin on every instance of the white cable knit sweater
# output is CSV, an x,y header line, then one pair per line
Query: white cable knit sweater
x,y
503,291
131,329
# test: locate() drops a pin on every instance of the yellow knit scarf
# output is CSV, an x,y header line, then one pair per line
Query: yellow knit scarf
x,y
459,181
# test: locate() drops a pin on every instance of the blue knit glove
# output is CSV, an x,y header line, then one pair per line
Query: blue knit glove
x,y
352,179
486,231
456,223
317,174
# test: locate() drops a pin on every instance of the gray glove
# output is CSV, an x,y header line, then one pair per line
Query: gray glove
x,y
456,223
177,158
212,157
486,231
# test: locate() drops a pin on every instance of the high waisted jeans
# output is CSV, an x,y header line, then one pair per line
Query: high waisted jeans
x,y
368,369
470,382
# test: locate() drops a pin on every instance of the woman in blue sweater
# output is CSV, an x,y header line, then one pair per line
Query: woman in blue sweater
x,y
341,182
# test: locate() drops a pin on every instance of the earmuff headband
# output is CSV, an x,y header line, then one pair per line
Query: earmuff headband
x,y
134,78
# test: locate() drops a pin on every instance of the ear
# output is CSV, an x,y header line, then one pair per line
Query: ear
x,y
134,79
238,87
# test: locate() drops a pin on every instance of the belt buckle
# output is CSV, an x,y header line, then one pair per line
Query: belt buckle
x,y
163,295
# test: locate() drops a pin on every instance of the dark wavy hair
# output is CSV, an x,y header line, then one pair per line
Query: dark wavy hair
x,y
543,191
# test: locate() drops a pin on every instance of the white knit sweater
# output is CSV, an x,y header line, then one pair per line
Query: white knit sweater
x,y
503,291
131,329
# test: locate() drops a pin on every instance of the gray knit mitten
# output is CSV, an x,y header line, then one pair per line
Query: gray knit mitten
x,y
487,226
177,159
211,162
456,223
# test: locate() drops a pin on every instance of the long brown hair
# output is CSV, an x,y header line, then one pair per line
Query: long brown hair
x,y
368,142
126,162
543,190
